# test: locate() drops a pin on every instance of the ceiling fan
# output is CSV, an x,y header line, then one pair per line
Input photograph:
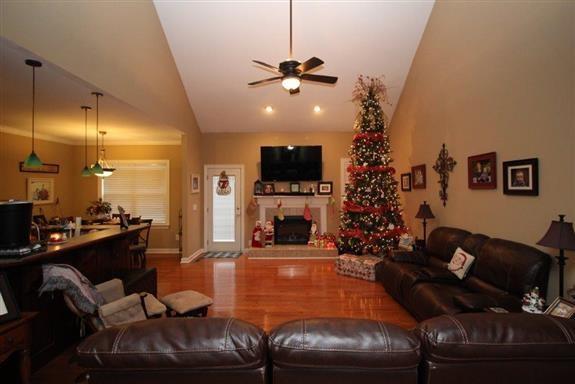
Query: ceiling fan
x,y
292,71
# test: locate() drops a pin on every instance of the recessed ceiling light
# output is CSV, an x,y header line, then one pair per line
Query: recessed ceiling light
x,y
269,109
317,109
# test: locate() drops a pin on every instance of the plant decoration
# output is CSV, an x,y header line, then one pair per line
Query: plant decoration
x,y
443,165
371,220
99,207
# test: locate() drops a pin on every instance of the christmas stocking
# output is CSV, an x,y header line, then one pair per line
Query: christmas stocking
x,y
307,213
280,211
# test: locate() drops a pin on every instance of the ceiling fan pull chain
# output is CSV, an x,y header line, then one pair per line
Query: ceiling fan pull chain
x,y
290,31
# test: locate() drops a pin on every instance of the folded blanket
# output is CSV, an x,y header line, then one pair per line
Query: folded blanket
x,y
63,277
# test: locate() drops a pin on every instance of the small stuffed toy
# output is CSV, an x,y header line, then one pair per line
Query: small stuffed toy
x,y
269,234
257,235
313,234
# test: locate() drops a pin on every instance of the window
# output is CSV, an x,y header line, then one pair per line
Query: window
x,y
141,187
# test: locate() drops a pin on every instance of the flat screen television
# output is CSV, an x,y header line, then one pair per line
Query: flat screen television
x,y
291,163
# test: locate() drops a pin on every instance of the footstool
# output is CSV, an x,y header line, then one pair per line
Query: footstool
x,y
187,303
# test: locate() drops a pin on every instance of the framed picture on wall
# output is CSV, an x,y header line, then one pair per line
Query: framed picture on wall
x,y
194,183
40,190
324,188
521,177
482,171
418,176
44,168
406,182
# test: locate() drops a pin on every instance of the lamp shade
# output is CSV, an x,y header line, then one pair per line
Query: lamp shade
x,y
32,160
560,235
424,212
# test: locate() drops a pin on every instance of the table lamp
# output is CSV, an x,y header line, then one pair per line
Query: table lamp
x,y
424,213
560,235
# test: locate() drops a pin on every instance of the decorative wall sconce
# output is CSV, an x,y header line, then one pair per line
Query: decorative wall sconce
x,y
443,165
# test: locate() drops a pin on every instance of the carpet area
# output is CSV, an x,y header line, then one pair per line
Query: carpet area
x,y
221,255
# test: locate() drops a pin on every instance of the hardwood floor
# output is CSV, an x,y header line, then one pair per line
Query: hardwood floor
x,y
264,292
270,292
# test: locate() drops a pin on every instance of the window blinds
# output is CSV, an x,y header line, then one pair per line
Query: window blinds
x,y
141,187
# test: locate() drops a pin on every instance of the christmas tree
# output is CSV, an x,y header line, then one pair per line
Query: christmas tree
x,y
370,219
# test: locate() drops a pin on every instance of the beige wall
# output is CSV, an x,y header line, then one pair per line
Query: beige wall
x,y
493,76
75,192
244,148
13,183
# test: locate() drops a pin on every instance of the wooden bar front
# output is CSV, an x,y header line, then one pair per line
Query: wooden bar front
x,y
100,256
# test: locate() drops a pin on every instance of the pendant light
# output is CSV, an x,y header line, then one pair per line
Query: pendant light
x,y
97,168
33,160
86,172
107,170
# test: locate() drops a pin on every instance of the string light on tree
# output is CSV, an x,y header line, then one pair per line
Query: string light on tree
x,y
370,219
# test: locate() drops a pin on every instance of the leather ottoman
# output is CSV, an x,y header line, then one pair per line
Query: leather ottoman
x,y
176,350
479,348
343,351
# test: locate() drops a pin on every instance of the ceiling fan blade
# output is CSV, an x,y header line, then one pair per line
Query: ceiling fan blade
x,y
266,65
294,91
312,63
319,78
265,80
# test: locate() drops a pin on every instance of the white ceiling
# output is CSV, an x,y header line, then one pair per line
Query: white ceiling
x,y
59,96
213,43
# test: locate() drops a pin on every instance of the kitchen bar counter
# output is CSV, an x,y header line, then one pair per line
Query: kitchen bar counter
x,y
103,233
99,255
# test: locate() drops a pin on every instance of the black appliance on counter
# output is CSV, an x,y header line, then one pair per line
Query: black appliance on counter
x,y
15,223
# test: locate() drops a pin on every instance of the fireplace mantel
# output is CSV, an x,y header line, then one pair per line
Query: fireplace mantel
x,y
271,202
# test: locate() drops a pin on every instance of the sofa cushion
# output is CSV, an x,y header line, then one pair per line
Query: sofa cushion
x,y
512,267
460,263
180,343
492,336
443,241
343,344
414,257
429,299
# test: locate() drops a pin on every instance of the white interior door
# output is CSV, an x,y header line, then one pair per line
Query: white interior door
x,y
223,214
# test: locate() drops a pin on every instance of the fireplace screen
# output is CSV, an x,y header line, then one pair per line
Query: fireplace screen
x,y
291,230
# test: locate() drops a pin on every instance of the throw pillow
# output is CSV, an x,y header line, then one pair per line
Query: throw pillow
x,y
460,263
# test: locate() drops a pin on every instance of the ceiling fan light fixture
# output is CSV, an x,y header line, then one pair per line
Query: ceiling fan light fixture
x,y
291,82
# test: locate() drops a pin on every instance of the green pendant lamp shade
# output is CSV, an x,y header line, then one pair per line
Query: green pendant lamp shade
x,y
86,172
97,168
33,160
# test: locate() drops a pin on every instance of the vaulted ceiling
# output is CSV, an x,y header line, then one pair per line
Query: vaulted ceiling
x,y
213,44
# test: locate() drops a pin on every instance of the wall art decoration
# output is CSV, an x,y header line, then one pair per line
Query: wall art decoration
x,y
44,168
40,190
324,188
482,171
194,183
418,177
521,177
406,182
443,165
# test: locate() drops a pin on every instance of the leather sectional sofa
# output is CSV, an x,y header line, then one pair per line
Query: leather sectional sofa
x,y
472,348
501,274
448,346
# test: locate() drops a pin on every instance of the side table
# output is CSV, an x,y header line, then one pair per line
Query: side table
x,y
15,337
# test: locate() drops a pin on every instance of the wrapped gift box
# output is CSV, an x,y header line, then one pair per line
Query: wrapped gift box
x,y
361,267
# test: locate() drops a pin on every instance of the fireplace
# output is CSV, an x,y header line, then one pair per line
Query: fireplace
x,y
291,230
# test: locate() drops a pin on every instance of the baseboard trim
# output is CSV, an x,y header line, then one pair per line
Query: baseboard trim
x,y
192,257
162,251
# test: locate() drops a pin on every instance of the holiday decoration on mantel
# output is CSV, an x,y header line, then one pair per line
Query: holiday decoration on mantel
x,y
371,219
443,165
224,187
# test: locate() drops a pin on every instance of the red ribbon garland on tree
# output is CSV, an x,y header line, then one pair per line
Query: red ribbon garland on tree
x,y
365,168
369,135
350,206
358,233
